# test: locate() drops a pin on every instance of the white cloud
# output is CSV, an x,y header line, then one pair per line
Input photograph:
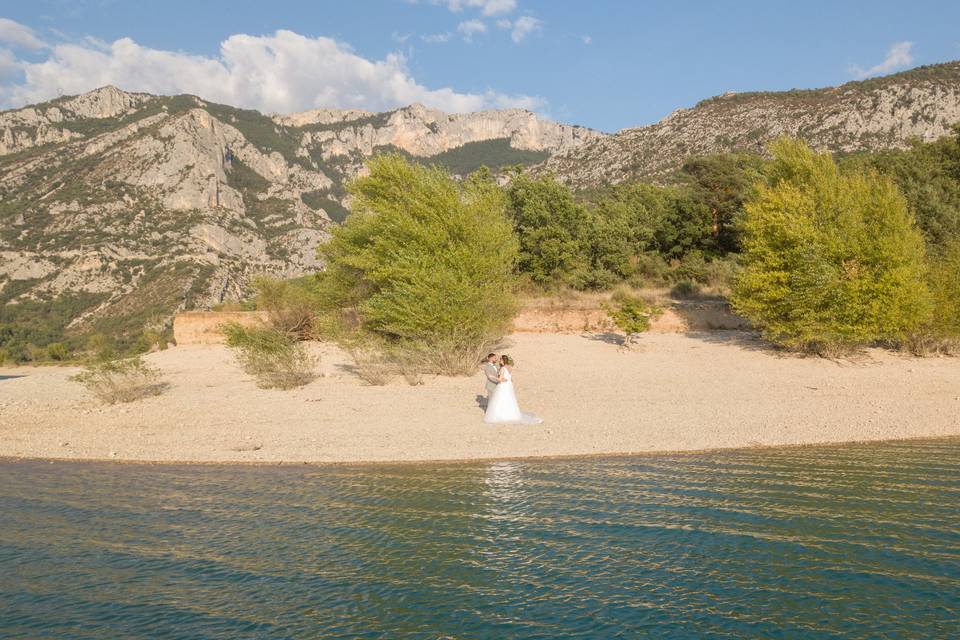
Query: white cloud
x,y
898,57
504,23
586,39
282,72
469,28
524,26
486,7
8,65
17,35
436,38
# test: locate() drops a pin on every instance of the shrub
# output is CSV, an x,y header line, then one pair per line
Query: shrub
x,y
423,261
123,380
291,305
692,266
57,351
632,315
831,261
372,366
273,358
101,347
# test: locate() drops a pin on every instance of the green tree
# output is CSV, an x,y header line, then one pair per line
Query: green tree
x,y
423,262
928,175
944,278
722,182
553,230
830,260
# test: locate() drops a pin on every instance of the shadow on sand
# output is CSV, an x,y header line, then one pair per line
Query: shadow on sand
x,y
3,377
609,338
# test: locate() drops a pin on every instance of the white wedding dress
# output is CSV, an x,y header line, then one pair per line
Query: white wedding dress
x,y
503,407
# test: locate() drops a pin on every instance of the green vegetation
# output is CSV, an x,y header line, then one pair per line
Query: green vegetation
x,y
632,315
273,358
423,263
928,175
831,260
644,233
493,154
260,131
291,305
941,334
124,380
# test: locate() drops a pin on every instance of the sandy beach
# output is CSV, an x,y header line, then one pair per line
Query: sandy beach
x,y
678,392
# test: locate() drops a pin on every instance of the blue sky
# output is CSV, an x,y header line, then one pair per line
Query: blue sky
x,y
602,64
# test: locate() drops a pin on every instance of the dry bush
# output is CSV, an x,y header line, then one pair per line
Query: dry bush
x,y
372,366
273,359
924,344
124,380
291,305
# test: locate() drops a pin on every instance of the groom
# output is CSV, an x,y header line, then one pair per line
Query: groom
x,y
492,373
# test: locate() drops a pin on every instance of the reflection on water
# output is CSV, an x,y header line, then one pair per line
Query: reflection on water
x,y
851,541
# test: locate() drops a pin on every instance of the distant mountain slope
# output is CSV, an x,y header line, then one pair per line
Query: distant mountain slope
x,y
131,206
874,114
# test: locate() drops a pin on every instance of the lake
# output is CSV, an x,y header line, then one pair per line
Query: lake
x,y
852,541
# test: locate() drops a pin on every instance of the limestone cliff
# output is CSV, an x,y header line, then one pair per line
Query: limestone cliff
x,y
133,206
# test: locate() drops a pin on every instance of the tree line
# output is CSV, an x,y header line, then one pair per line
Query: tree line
x,y
821,253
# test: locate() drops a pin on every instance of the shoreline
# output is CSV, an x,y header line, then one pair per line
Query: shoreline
x,y
468,461
678,393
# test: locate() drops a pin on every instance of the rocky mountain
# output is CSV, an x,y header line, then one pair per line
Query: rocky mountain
x,y
123,208
117,209
869,115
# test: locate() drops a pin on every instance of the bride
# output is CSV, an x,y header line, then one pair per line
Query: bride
x,y
503,407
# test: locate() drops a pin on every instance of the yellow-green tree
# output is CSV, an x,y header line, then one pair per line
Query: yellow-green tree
x,y
424,263
944,280
830,260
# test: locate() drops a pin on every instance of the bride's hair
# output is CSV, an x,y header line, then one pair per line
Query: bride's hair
x,y
505,359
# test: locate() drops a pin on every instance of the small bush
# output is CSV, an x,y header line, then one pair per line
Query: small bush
x,y
101,347
632,315
123,380
685,289
273,359
693,267
57,351
291,305
372,366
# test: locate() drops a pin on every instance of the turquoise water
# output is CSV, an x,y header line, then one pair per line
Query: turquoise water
x,y
859,541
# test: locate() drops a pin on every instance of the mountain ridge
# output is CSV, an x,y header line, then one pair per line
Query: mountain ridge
x,y
137,205
863,115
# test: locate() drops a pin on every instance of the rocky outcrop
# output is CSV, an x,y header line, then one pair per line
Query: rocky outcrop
x,y
143,202
424,132
880,113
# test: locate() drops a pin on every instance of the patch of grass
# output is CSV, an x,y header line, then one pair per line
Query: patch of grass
x,y
124,380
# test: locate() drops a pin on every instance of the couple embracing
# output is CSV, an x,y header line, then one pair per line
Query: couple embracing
x,y
502,404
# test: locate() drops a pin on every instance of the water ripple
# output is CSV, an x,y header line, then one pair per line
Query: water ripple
x,y
822,542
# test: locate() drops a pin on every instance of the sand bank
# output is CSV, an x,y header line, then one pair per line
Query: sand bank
x,y
678,392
